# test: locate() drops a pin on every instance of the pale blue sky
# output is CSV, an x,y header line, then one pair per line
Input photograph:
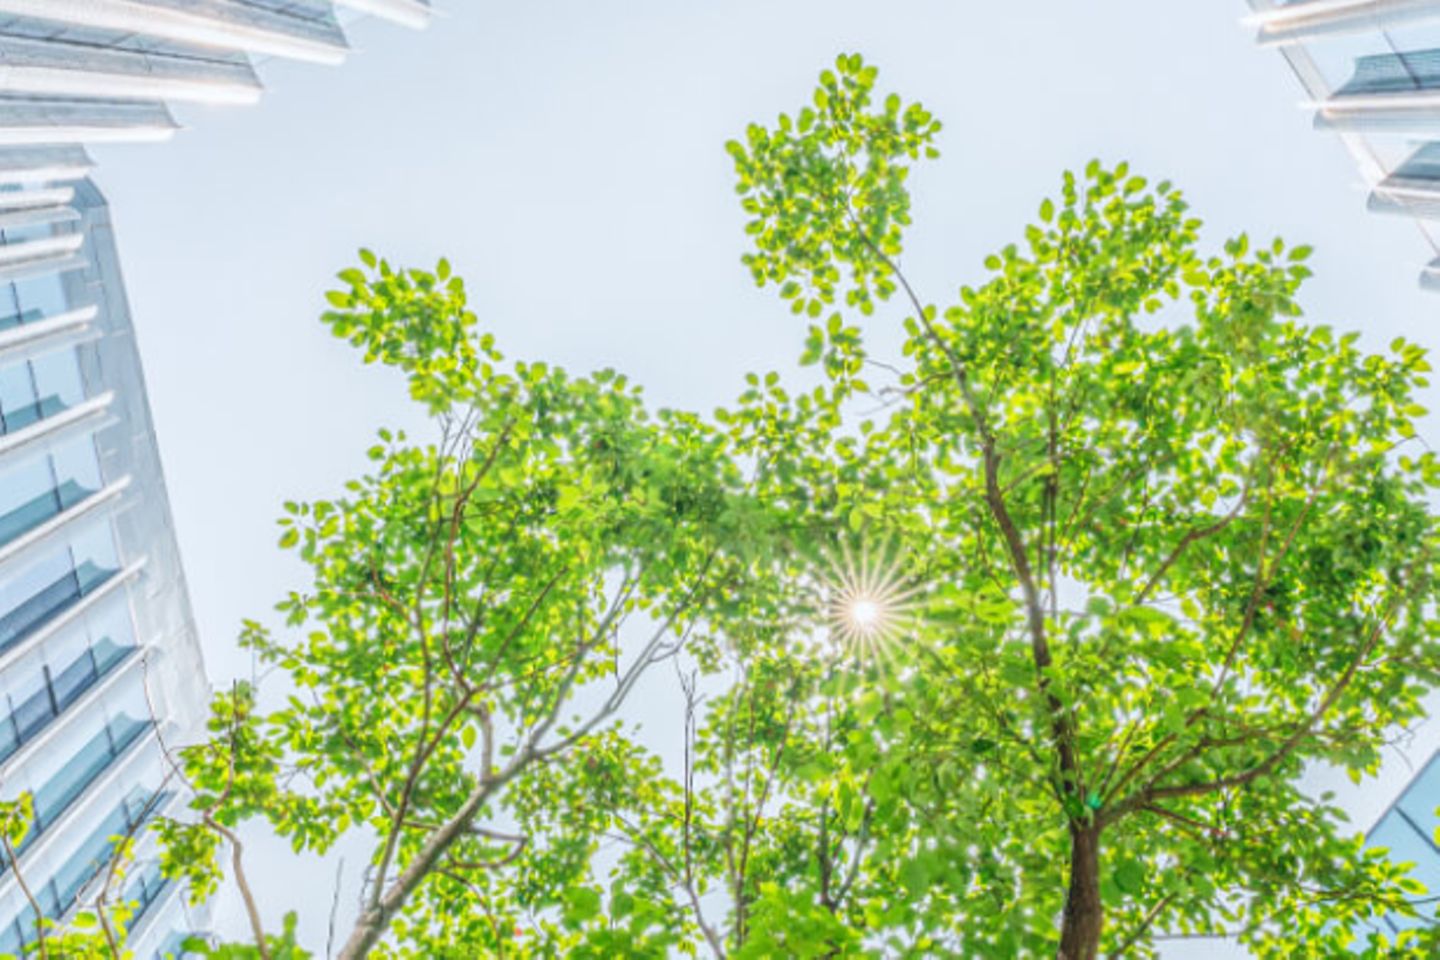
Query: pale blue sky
x,y
566,156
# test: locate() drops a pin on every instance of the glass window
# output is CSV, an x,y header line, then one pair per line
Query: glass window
x,y
112,636
174,946
92,855
1416,35
17,396
31,595
61,790
77,470
50,680
57,381
26,232
1423,164
34,712
1338,56
9,307
95,557
1421,799
51,584
145,888
83,768
1408,845
27,497
31,579
1394,73
9,743
42,296
71,682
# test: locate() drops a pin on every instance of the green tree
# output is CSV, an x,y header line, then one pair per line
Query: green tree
x,y
1174,545
1019,652
481,606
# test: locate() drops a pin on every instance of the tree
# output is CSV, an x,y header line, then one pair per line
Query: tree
x,y
1176,546
1021,652
1124,549
466,625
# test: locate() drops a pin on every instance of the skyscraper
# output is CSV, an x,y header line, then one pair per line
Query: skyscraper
x,y
100,667
1371,72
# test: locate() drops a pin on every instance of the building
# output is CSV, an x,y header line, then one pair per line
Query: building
x,y
1371,71
1408,830
100,667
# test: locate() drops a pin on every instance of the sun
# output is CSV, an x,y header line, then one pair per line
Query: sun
x,y
868,602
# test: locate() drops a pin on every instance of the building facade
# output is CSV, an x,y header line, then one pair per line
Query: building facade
x,y
100,667
1408,830
1371,72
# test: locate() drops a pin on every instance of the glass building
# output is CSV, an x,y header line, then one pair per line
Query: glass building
x,y
1408,830
100,667
1371,70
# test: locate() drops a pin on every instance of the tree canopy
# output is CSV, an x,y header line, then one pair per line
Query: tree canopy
x,y
1015,645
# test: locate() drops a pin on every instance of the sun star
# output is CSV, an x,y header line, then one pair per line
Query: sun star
x,y
868,602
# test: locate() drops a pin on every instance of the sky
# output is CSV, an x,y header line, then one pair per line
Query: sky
x,y
566,156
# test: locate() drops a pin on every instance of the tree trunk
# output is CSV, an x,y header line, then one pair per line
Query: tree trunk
x,y
1084,914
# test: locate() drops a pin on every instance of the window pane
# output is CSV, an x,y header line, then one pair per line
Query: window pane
x,y
1406,845
1423,796
17,396
61,790
77,470
9,743
95,557
27,497
31,595
91,856
57,381
112,637
33,714
38,297
9,308
29,231
71,682
49,600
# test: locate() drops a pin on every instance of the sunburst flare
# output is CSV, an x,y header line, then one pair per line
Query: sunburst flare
x,y
869,605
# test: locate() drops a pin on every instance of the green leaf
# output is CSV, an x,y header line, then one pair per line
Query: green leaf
x,y
1130,877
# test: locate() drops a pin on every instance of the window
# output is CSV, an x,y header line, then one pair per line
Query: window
x,y
56,581
39,488
42,296
69,666
91,857
1408,832
17,397
85,767
31,299
77,470
27,497
1394,73
37,388
57,381
32,595
145,888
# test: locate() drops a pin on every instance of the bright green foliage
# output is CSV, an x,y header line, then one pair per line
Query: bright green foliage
x,y
1176,546
1169,546
277,947
826,191
481,606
